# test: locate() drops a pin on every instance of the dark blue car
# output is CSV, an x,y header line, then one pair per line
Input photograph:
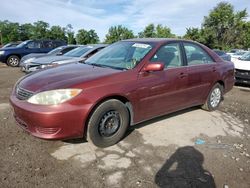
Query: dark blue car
x,y
12,56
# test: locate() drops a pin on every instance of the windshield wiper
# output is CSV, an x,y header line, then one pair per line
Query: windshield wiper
x,y
106,66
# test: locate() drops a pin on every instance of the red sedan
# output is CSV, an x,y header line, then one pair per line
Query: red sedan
x,y
126,83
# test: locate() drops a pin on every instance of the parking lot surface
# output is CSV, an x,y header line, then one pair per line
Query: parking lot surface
x,y
190,148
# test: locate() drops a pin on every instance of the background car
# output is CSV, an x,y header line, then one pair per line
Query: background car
x,y
11,44
125,83
76,55
223,55
238,54
242,68
233,51
12,56
57,51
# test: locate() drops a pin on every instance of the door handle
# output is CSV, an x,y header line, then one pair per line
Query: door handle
x,y
214,69
182,75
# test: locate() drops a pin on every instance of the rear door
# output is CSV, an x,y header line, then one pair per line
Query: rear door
x,y
47,46
201,70
163,91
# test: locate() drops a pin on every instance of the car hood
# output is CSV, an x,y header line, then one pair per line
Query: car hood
x,y
63,76
242,65
34,55
10,49
51,59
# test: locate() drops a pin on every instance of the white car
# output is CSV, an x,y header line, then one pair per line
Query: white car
x,y
242,68
238,54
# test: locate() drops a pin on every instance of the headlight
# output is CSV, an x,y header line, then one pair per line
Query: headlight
x,y
2,52
29,60
54,97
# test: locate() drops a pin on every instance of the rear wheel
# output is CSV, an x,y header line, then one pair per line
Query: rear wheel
x,y
13,61
108,123
214,98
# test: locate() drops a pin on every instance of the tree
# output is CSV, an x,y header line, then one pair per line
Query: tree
x,y
56,32
9,31
93,37
87,37
159,31
70,34
26,31
193,34
40,30
116,33
148,32
224,27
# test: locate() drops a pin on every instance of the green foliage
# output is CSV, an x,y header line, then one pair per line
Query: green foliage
x,y
39,30
87,37
56,32
117,33
223,28
159,31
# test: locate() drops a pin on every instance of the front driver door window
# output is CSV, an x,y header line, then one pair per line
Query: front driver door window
x,y
170,55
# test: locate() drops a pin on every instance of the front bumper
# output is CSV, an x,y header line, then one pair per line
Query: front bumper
x,y
28,67
3,58
62,121
242,76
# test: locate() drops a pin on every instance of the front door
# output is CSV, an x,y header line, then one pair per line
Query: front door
x,y
163,91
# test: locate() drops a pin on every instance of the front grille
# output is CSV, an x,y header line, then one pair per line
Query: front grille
x,y
23,94
242,72
48,130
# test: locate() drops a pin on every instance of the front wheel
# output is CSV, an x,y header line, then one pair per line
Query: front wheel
x,y
13,61
214,98
108,123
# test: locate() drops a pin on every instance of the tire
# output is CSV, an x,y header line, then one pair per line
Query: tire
x,y
108,123
13,61
214,98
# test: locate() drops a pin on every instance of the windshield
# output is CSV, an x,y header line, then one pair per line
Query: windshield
x,y
239,53
246,57
120,55
78,52
218,52
56,50
23,43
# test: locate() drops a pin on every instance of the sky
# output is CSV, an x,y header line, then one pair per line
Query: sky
x,y
101,14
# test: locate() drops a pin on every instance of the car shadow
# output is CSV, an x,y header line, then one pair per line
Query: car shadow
x,y
139,125
184,170
242,85
157,119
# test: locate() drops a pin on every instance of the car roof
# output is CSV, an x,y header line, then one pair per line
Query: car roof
x,y
156,40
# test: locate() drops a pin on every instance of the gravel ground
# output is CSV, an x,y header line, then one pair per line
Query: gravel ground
x,y
157,153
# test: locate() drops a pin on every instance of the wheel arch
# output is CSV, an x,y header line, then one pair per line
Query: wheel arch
x,y
121,98
18,55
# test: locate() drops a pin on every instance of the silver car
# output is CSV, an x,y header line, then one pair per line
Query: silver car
x,y
76,55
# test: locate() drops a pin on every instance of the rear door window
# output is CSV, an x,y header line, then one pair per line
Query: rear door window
x,y
196,55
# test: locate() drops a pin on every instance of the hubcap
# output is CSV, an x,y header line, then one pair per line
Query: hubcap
x,y
13,61
215,97
109,123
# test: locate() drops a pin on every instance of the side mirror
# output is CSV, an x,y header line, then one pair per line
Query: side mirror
x,y
152,67
82,60
59,53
